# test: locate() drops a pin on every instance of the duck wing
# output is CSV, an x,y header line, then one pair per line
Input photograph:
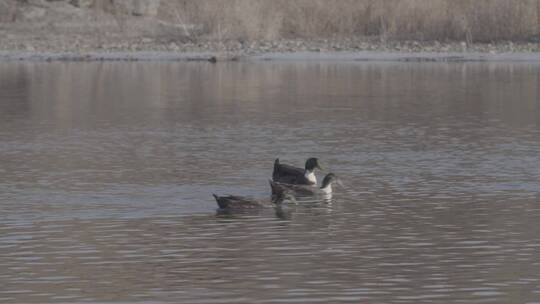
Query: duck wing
x,y
300,190
289,174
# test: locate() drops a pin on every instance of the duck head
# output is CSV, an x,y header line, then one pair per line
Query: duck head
x,y
312,164
282,196
327,182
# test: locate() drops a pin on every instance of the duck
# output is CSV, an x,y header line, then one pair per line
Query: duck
x,y
306,190
236,202
296,176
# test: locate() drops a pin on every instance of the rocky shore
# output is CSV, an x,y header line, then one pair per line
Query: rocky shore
x,y
352,49
85,43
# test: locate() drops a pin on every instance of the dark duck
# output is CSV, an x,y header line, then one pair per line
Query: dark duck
x,y
306,190
236,202
297,176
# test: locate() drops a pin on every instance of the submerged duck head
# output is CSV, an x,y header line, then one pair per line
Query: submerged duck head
x,y
313,163
282,196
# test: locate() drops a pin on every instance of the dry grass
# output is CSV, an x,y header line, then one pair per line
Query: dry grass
x,y
466,20
425,20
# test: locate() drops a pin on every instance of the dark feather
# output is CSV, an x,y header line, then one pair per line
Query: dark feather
x,y
288,174
237,202
302,190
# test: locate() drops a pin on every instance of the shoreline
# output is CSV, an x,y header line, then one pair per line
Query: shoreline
x,y
111,30
336,56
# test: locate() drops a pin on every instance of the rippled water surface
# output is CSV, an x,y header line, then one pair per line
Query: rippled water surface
x,y
107,171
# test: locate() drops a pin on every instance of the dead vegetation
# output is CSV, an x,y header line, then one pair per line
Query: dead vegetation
x,y
143,24
443,20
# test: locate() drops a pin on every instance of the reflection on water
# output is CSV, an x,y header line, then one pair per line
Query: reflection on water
x,y
107,170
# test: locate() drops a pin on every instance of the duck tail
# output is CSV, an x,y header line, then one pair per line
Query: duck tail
x,y
221,203
275,173
275,187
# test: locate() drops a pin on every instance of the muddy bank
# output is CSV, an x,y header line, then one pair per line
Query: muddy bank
x,y
214,57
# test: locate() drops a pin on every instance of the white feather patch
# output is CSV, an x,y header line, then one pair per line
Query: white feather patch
x,y
311,177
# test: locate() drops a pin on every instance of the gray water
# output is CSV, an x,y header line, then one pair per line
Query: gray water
x,y
107,171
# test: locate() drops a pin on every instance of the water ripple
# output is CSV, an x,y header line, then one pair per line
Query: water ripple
x,y
106,182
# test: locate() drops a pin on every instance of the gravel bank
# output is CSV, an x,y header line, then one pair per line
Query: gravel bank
x,y
114,48
209,56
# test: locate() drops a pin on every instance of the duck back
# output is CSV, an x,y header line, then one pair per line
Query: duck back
x,y
289,174
237,202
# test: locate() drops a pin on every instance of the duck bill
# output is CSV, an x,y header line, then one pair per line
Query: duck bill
x,y
320,167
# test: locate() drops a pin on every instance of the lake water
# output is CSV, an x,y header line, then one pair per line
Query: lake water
x,y
107,171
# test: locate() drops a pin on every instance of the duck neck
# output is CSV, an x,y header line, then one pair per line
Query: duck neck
x,y
327,189
310,176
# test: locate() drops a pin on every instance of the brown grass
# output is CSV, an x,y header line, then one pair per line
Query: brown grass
x,y
464,20
426,20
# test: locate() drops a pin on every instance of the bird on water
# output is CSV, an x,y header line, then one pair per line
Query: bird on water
x,y
297,176
236,202
306,190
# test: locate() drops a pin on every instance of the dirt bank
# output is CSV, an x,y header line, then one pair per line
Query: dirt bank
x,y
279,56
